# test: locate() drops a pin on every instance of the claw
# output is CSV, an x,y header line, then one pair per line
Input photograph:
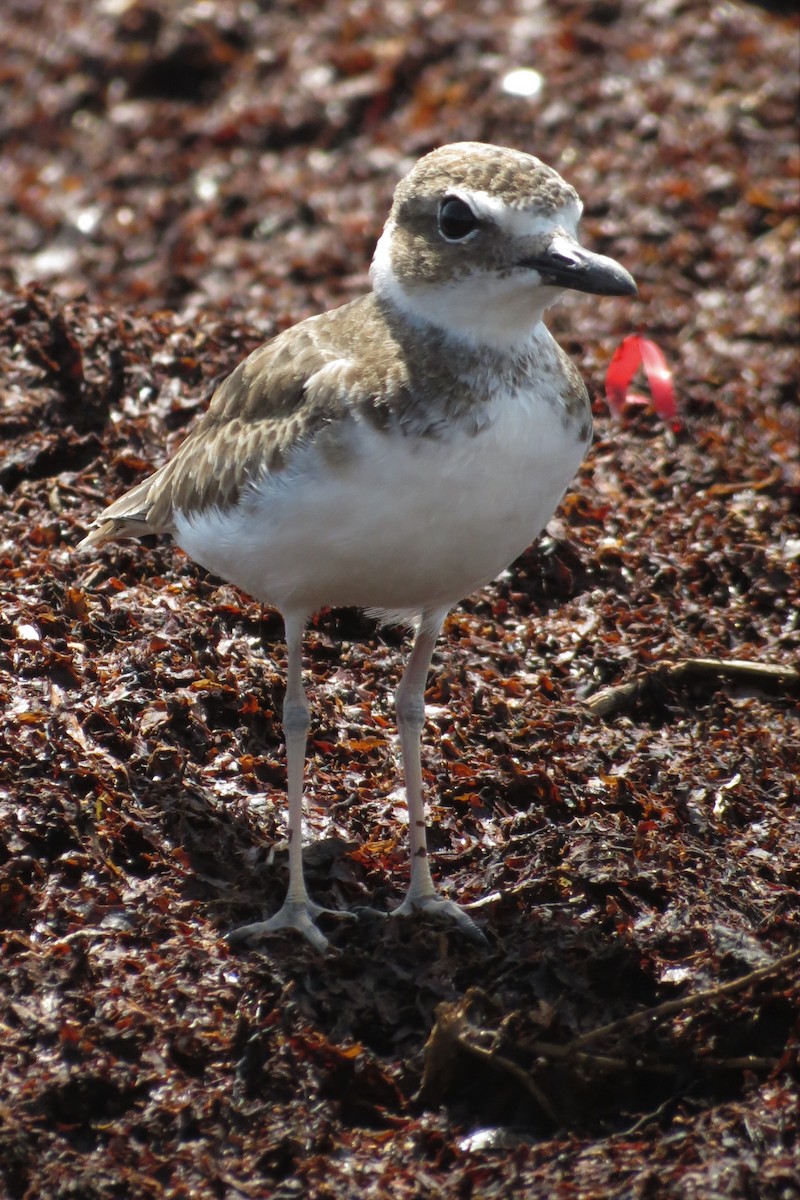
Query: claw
x,y
442,910
300,915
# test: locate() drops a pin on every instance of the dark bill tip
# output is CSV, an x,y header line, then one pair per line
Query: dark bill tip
x,y
566,264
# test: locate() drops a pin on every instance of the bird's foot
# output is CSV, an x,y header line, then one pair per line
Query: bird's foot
x,y
300,915
440,909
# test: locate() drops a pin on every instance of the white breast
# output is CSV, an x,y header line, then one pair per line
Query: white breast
x,y
401,524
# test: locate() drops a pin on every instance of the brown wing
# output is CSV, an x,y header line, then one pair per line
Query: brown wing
x,y
280,396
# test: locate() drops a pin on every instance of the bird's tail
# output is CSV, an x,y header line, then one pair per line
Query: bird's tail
x,y
109,531
130,516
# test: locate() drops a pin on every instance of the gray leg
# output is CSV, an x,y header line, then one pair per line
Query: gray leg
x,y
296,724
298,911
410,706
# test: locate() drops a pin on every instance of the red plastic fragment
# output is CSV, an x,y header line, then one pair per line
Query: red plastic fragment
x,y
634,352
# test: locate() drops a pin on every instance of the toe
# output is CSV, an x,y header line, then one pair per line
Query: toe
x,y
293,915
442,910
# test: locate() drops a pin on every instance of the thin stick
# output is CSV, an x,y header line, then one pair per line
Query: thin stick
x,y
694,1000
512,1068
709,671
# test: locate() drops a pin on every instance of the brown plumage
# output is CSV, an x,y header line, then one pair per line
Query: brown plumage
x,y
397,452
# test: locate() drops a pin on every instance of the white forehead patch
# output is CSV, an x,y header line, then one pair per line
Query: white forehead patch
x,y
520,222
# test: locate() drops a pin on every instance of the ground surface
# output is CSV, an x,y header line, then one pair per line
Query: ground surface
x,y
178,183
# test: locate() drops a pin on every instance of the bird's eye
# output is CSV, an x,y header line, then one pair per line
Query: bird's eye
x,y
456,219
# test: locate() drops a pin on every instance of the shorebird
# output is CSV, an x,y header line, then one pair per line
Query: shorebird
x,y
395,453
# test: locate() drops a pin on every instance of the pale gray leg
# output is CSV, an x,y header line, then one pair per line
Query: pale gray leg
x,y
298,910
410,707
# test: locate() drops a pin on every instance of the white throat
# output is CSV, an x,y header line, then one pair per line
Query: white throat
x,y
483,309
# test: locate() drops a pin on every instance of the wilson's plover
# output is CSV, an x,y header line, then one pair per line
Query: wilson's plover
x,y
398,452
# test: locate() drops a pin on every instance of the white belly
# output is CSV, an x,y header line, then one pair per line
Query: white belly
x,y
403,524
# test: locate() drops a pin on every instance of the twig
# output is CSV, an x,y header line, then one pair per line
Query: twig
x,y
693,1000
646,1118
744,1062
453,1029
771,676
603,1062
510,1067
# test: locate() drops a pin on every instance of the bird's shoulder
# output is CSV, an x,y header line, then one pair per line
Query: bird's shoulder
x,y
307,383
